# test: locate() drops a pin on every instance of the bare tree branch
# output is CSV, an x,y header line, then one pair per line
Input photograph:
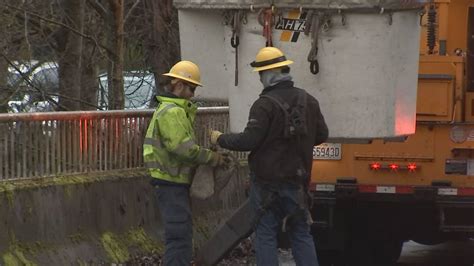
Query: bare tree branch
x,y
131,10
62,25
44,94
26,78
99,8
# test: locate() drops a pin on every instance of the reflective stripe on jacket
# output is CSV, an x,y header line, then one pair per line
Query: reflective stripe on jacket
x,y
170,149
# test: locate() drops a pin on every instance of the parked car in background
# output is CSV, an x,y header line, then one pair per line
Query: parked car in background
x,y
35,87
139,87
28,104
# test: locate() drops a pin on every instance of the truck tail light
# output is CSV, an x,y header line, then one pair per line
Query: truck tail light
x,y
375,166
393,167
411,167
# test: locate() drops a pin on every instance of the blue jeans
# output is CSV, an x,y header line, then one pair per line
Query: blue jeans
x,y
175,209
284,202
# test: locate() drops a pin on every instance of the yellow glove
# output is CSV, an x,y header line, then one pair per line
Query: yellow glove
x,y
214,136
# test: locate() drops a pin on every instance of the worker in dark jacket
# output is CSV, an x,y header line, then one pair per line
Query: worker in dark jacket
x,y
170,152
284,125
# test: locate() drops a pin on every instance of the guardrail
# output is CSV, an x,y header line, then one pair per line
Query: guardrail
x,y
46,144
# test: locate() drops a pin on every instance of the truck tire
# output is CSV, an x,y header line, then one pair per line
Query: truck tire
x,y
330,258
387,252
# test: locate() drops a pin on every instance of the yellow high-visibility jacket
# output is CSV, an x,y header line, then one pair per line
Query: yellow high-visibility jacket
x,y
170,149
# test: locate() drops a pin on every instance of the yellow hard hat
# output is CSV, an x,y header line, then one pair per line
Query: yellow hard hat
x,y
187,71
268,58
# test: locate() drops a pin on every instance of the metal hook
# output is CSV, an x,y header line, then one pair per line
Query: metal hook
x,y
327,23
252,9
234,41
382,10
314,67
390,18
421,14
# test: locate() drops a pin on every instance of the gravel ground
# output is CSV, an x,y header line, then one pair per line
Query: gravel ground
x,y
447,254
242,255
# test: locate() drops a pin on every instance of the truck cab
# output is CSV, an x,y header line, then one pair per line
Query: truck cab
x,y
372,196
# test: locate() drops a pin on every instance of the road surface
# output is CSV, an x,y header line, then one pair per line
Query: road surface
x,y
413,254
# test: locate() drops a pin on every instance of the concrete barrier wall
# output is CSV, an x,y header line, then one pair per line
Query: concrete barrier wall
x,y
95,218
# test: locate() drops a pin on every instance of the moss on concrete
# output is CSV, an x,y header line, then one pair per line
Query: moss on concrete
x,y
117,246
139,237
82,263
78,238
15,254
8,188
16,257
10,260
116,250
202,227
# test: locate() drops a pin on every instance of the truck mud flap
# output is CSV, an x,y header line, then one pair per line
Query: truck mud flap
x,y
227,236
456,216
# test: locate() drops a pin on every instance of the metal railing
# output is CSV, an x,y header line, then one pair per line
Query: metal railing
x,y
57,143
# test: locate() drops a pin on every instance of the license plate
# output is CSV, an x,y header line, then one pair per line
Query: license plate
x,y
327,151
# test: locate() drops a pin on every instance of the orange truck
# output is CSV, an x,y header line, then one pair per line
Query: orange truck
x,y
372,196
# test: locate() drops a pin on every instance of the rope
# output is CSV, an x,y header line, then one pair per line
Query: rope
x,y
265,18
316,22
237,18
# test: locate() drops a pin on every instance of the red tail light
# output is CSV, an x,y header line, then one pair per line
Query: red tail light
x,y
393,167
375,166
412,167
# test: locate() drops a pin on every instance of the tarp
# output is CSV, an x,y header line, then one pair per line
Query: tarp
x,y
313,4
208,180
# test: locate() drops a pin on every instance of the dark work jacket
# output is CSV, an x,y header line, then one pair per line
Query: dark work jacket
x,y
274,158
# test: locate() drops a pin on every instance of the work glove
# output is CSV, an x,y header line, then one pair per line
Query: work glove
x,y
220,160
214,136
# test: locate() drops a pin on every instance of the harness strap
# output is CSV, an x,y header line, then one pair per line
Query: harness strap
x,y
267,201
284,106
302,211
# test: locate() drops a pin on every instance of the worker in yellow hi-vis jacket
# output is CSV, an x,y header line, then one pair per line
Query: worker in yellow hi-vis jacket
x,y
170,152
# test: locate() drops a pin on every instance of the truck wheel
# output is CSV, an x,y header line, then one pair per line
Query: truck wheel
x,y
359,253
429,238
387,252
330,258
428,241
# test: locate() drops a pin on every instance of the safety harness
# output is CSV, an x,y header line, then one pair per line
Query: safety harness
x,y
295,128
